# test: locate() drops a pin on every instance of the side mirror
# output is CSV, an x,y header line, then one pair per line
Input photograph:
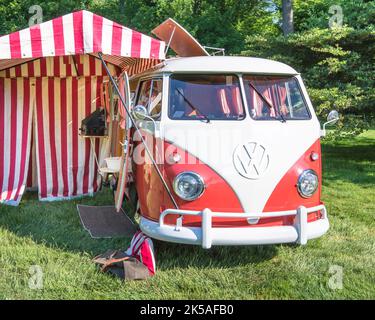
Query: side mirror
x,y
332,119
140,112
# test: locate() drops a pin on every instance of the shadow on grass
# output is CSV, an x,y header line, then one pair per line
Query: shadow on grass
x,y
353,163
57,225
358,152
173,256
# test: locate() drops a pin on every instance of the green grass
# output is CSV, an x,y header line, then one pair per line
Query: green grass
x,y
50,235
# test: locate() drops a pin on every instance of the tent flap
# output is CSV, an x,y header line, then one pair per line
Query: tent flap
x,y
66,163
15,137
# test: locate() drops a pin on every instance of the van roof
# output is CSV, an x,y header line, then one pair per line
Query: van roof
x,y
226,64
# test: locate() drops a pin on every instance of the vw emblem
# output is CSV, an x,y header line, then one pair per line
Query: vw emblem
x,y
251,160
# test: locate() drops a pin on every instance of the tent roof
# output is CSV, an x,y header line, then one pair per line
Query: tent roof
x,y
80,32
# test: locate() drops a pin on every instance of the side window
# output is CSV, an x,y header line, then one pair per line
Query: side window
x,y
150,96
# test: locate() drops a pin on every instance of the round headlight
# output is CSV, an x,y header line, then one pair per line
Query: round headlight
x,y
308,183
188,186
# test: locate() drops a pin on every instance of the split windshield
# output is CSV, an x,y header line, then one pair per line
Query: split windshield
x,y
218,97
272,98
205,97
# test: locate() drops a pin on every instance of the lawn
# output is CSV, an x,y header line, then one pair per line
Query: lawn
x,y
50,235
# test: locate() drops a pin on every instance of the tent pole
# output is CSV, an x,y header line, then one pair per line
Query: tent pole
x,y
75,66
139,132
170,40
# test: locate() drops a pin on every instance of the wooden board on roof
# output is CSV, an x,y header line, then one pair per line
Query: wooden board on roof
x,y
179,39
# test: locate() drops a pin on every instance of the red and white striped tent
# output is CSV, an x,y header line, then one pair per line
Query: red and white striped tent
x,y
51,79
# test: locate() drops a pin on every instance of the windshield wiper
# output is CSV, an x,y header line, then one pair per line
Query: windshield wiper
x,y
193,107
266,101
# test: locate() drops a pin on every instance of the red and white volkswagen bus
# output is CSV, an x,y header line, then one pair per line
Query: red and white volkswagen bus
x,y
227,152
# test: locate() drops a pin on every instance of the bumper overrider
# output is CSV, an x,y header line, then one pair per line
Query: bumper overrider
x,y
207,235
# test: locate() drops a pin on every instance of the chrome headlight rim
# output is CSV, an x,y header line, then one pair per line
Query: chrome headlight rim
x,y
301,176
196,176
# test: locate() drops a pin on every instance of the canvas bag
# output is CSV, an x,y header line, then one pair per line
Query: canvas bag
x,y
142,248
118,263
137,263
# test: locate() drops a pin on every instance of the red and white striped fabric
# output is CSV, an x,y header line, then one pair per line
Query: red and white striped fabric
x,y
66,162
142,248
80,32
50,76
141,65
16,107
62,67
131,66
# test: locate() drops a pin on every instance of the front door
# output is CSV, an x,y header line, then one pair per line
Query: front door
x,y
149,186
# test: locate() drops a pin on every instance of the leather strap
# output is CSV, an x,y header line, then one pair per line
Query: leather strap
x,y
112,261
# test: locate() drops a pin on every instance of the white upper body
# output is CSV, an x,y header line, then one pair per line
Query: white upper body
x,y
216,142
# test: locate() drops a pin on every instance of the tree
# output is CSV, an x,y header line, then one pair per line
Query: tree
x,y
287,9
15,14
122,6
217,23
337,63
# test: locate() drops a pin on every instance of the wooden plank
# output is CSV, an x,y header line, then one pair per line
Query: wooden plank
x,y
125,155
179,39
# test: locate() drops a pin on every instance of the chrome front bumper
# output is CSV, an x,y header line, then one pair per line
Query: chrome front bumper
x,y
206,236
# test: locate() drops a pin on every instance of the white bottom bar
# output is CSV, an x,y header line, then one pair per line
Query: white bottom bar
x,y
234,236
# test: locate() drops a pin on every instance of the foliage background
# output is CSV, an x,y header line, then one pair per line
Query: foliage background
x,y
336,63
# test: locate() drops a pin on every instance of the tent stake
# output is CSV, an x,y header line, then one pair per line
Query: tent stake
x,y
139,132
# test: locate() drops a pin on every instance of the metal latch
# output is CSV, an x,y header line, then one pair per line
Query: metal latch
x,y
179,223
